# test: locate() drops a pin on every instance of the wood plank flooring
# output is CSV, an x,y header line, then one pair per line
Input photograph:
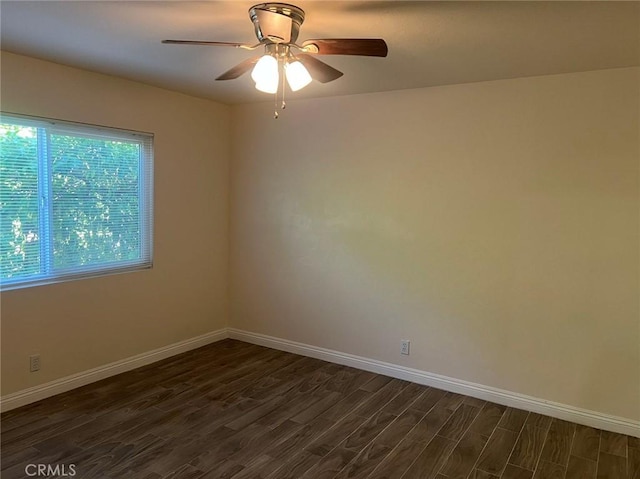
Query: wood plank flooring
x,y
236,410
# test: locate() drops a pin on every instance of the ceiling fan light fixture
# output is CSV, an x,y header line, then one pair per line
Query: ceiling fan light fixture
x,y
268,86
266,69
297,75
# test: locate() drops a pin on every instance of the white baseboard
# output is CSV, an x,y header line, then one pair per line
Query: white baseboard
x,y
36,393
500,396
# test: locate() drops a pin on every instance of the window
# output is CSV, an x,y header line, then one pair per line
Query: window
x,y
75,201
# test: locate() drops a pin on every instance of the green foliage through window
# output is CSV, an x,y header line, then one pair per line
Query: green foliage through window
x,y
74,200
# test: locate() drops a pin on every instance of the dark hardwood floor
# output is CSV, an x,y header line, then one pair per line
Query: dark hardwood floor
x,y
236,410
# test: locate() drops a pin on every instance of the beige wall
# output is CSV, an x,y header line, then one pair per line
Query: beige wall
x,y
495,225
79,325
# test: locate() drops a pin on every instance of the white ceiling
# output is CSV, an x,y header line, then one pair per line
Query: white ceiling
x,y
430,43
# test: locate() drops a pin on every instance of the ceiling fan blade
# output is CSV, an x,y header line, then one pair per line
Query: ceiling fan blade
x,y
370,47
239,70
319,70
213,44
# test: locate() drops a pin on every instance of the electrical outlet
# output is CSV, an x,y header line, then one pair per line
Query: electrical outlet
x,y
404,346
34,363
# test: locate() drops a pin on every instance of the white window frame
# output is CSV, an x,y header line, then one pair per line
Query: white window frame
x,y
49,274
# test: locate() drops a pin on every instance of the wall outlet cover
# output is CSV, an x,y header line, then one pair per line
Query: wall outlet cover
x,y
34,363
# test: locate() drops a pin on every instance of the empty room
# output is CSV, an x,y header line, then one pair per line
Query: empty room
x,y
321,240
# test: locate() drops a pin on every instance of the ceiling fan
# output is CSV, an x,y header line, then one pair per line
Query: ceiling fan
x,y
277,26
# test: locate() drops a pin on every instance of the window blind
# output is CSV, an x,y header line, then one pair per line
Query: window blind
x,y
75,200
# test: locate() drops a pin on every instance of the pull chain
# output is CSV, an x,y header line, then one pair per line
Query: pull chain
x,y
275,106
284,104
281,74
275,98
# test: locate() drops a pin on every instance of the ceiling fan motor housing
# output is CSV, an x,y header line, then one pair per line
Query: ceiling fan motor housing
x,y
276,22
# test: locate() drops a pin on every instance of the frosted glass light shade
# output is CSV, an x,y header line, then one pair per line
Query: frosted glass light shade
x,y
268,87
297,75
265,74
